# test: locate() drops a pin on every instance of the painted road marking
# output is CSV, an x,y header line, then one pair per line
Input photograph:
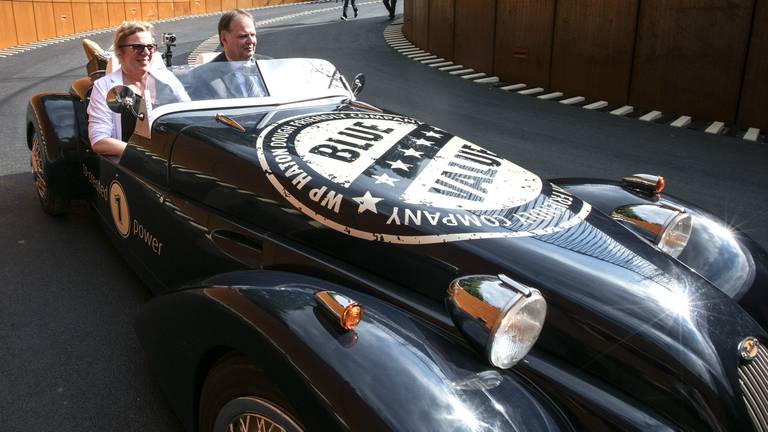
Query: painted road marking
x,y
573,100
622,111
513,87
715,128
651,116
681,122
531,91
451,68
474,76
488,80
596,105
752,134
553,95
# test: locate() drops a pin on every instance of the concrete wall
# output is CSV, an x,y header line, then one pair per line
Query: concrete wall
x,y
704,58
27,21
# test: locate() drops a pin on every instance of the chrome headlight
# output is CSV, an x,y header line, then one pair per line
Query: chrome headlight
x,y
665,226
499,316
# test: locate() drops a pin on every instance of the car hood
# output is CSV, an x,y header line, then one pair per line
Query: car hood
x,y
395,191
391,178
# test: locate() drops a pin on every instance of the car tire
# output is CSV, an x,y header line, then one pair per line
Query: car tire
x,y
237,397
40,168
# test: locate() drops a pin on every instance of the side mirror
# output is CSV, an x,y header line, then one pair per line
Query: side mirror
x,y
358,83
121,98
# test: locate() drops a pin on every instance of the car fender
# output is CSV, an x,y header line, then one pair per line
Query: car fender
x,y
55,116
392,372
722,254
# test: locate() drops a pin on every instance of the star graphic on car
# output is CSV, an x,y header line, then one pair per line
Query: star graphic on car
x,y
399,165
422,141
433,134
384,178
367,202
412,152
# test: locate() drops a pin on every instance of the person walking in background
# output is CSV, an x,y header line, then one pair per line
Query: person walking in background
x,y
344,10
391,5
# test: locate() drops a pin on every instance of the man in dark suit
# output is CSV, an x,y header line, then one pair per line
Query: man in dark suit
x,y
233,73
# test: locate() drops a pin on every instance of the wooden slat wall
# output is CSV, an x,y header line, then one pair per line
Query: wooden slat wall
x,y
408,17
690,56
7,32
44,23
24,17
133,11
149,10
165,9
441,21
62,16
32,20
421,23
593,48
474,33
99,15
181,8
524,41
116,12
753,110
81,14
703,58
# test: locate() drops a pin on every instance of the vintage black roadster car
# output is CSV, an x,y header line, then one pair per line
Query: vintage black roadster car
x,y
321,264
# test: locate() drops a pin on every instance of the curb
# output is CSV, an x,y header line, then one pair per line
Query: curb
x,y
393,34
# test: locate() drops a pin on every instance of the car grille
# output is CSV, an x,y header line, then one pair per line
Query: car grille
x,y
753,377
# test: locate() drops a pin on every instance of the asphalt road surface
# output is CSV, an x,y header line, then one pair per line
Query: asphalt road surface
x,y
69,359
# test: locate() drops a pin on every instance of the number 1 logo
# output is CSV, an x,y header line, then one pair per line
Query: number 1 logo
x,y
119,206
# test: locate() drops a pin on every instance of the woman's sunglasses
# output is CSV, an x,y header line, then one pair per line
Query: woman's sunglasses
x,y
137,48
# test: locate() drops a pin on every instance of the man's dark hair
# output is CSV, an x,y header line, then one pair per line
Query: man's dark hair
x,y
226,20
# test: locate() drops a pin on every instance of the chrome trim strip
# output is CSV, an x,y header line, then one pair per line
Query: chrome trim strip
x,y
753,378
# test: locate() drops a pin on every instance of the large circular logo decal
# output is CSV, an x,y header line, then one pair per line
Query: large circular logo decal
x,y
118,203
391,178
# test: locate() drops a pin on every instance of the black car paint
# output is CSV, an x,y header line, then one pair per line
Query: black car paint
x,y
194,189
393,372
547,261
729,259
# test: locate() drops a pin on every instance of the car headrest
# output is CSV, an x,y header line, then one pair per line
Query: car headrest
x,y
97,59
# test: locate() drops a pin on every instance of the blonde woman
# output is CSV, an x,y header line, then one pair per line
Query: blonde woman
x,y
134,47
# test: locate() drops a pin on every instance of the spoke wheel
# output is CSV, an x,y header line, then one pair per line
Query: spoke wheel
x,y
252,414
237,398
39,162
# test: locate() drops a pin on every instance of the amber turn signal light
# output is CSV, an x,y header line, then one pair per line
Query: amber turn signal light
x,y
646,182
341,308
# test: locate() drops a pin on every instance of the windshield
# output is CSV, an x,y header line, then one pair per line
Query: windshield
x,y
274,81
